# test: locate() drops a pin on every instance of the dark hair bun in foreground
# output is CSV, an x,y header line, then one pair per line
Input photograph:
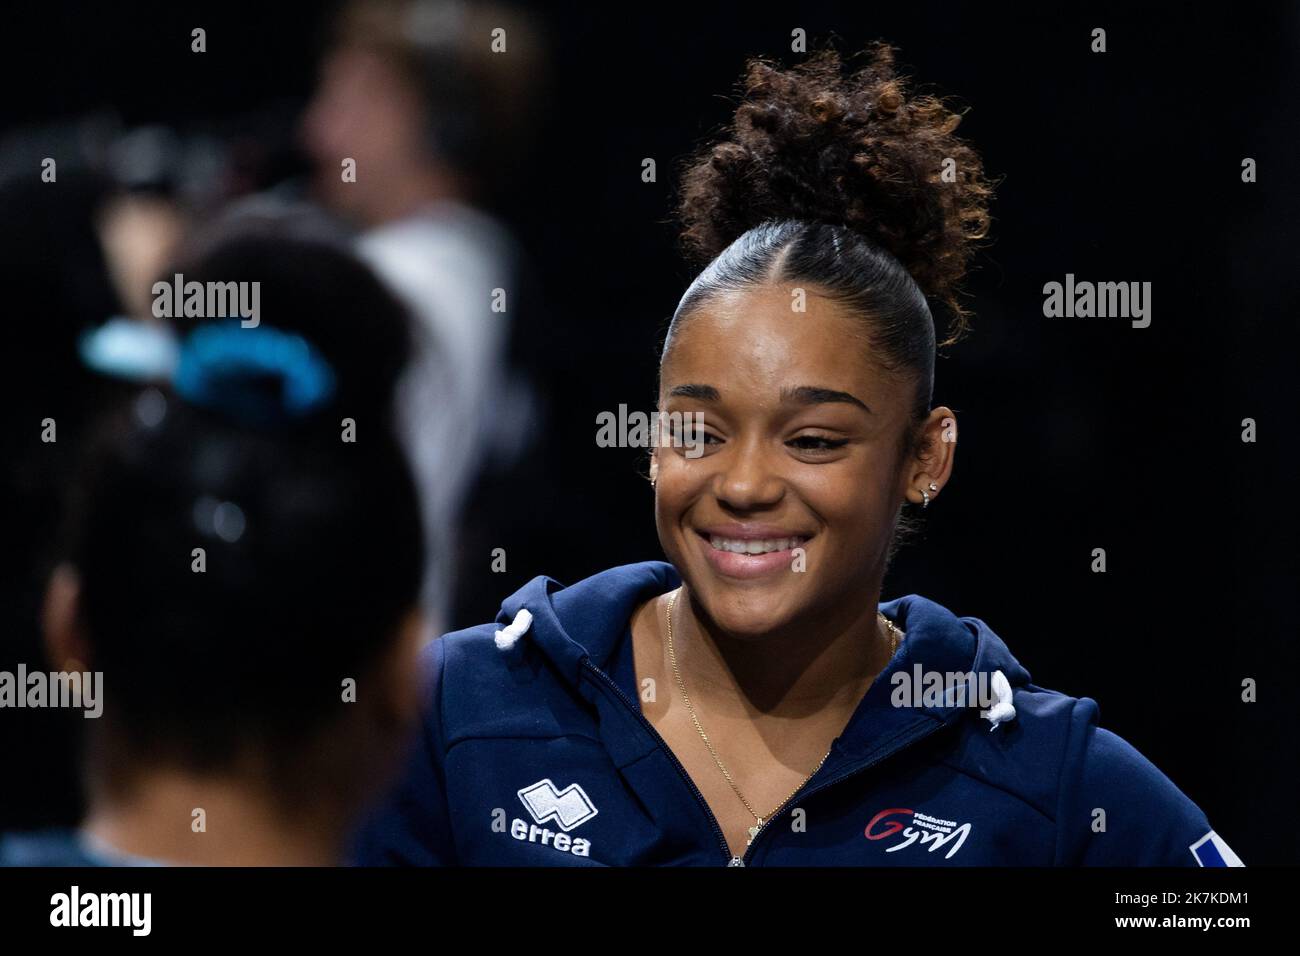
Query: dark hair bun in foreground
x,y
857,148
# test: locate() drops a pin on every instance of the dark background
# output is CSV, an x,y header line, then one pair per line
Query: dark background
x,y
1075,433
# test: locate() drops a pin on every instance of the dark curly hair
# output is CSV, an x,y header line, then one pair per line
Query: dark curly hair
x,y
859,151
847,181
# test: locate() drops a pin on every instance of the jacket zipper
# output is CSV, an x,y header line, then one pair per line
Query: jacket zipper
x,y
672,757
733,860
908,741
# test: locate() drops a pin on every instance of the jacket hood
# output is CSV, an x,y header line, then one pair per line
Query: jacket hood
x,y
586,621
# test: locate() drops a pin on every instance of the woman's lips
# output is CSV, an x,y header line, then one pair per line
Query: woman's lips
x,y
750,557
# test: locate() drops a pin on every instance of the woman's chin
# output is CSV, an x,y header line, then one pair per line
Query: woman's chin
x,y
746,612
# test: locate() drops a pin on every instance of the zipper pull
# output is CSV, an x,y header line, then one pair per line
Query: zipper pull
x,y
737,861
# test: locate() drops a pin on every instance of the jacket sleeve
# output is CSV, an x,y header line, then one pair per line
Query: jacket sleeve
x,y
410,826
1115,808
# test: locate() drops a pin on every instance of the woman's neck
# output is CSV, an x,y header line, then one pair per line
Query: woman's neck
x,y
787,672
157,819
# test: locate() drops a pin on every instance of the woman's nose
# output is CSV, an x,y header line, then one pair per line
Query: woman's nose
x,y
746,479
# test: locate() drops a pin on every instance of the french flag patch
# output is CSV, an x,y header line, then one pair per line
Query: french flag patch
x,y
1210,850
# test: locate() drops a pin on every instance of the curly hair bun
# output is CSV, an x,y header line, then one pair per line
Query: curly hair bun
x,y
857,149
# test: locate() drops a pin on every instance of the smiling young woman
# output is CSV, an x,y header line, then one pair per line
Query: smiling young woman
x,y
733,705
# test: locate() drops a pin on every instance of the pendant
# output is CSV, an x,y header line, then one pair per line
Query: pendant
x,y
753,831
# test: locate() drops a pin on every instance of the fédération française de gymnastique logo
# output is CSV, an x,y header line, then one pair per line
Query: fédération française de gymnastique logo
x,y
914,827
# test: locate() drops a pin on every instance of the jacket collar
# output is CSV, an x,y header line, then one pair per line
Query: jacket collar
x,y
587,621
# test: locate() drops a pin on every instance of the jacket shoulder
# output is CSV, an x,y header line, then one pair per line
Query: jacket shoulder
x,y
1116,808
489,691
1024,756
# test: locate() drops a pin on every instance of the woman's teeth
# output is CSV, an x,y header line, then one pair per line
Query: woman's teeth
x,y
759,546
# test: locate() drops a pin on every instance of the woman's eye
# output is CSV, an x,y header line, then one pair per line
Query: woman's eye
x,y
817,443
691,436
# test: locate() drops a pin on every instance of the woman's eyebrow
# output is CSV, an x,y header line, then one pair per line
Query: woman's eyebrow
x,y
812,395
705,393
801,395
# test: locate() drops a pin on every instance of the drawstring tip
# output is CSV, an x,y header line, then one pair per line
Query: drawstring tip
x,y
1002,710
508,636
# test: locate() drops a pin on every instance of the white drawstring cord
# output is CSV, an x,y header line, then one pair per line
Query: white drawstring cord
x,y
1002,710
509,635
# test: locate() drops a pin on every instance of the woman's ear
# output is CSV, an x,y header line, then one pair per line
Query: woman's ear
x,y
65,640
654,466
930,468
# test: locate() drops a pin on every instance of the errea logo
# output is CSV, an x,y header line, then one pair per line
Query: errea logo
x,y
568,808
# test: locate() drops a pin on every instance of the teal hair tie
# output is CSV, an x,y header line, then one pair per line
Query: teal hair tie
x,y
259,375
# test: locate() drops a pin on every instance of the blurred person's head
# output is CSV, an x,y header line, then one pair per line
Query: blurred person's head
x,y
140,232
271,448
421,95
247,584
310,282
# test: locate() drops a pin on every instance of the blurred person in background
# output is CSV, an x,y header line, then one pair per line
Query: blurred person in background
x,y
435,110
226,690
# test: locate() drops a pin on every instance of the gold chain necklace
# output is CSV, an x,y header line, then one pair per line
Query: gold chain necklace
x,y
759,821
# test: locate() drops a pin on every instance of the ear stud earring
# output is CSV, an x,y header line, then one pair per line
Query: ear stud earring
x,y
925,495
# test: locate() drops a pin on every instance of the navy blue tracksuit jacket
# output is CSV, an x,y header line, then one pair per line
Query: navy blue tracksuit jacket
x,y
534,752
